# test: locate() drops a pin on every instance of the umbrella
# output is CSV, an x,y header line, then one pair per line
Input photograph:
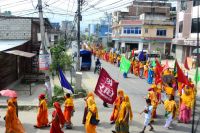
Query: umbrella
x,y
8,93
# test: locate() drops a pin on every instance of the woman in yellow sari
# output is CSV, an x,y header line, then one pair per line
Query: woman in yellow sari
x,y
90,94
117,104
187,100
125,112
13,124
92,111
42,117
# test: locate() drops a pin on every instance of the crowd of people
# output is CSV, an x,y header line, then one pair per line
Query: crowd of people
x,y
178,99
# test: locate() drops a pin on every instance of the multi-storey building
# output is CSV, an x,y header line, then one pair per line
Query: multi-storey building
x,y
146,27
186,29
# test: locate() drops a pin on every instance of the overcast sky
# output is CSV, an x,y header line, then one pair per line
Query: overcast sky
x,y
58,10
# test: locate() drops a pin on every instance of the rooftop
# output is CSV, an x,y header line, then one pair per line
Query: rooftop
x,y
8,44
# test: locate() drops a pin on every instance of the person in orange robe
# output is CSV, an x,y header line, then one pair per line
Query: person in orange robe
x,y
146,71
136,68
117,104
42,116
14,100
92,111
13,124
57,119
68,111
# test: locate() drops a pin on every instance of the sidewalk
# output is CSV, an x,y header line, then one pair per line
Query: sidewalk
x,y
24,97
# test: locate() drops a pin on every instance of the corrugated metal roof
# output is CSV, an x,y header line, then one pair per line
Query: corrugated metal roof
x,y
21,53
8,44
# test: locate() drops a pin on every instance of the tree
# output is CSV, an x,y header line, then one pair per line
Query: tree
x,y
60,58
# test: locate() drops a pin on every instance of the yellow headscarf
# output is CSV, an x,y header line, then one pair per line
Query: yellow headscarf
x,y
120,93
127,100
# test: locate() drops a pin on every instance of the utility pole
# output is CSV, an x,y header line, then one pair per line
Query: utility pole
x,y
78,34
44,50
196,74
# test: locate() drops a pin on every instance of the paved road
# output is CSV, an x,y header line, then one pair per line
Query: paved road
x,y
134,87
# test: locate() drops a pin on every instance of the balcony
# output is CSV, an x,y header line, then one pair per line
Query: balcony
x,y
158,22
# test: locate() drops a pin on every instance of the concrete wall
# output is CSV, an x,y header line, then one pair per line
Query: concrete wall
x,y
15,28
179,53
155,46
152,31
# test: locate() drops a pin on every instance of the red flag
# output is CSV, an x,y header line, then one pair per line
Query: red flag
x,y
186,64
133,53
106,87
166,66
158,72
181,76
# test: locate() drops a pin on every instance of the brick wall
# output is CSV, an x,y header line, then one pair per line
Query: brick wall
x,y
15,28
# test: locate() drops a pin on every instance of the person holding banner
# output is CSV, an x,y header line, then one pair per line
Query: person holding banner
x,y
117,104
92,114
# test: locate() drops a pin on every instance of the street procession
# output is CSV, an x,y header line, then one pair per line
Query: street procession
x,y
99,66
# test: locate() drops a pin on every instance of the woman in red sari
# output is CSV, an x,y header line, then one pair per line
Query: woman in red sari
x,y
57,119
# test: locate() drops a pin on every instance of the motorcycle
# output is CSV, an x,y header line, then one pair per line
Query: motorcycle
x,y
98,69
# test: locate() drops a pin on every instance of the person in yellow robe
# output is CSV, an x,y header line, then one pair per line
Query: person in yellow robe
x,y
152,95
186,104
13,124
92,111
125,112
170,110
169,90
90,94
42,116
68,110
117,102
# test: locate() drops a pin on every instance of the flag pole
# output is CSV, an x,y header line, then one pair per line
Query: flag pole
x,y
60,81
197,64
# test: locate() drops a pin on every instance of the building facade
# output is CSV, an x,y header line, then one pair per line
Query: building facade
x,y
19,33
186,29
148,29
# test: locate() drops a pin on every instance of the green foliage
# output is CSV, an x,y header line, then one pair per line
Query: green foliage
x,y
76,91
60,57
58,91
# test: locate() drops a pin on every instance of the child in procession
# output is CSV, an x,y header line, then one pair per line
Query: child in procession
x,y
148,112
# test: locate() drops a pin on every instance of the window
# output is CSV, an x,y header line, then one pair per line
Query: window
x,y
181,27
132,30
146,30
183,5
196,3
161,32
174,48
194,28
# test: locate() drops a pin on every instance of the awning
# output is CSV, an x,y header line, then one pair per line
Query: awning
x,y
8,44
20,53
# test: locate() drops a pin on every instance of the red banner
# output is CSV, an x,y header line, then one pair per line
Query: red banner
x,y
106,87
